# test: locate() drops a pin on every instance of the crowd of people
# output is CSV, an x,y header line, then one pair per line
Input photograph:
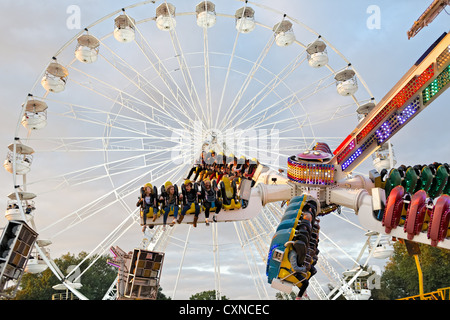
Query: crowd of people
x,y
303,248
211,166
200,192
28,208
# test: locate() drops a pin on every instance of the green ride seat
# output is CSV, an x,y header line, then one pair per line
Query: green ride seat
x,y
394,180
410,180
439,182
426,179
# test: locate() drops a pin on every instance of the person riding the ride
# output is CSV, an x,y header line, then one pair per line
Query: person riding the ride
x,y
190,198
210,200
147,200
170,203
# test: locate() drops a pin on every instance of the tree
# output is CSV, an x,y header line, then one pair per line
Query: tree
x,y
161,295
96,280
36,286
400,278
285,296
207,295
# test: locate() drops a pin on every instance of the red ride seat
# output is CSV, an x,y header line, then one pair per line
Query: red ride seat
x,y
439,222
394,207
416,214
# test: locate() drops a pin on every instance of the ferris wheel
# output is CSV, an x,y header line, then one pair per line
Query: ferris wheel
x,y
136,97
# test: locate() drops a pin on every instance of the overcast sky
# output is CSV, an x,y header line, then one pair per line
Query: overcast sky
x,y
376,45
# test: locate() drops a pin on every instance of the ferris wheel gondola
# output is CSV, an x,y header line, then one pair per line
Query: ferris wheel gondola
x,y
35,116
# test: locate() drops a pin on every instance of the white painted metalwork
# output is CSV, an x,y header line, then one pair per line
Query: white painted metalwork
x,y
55,77
138,113
165,17
87,48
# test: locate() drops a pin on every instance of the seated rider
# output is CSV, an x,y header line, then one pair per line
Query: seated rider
x,y
210,200
300,272
239,168
190,197
146,201
29,209
170,203
250,168
197,168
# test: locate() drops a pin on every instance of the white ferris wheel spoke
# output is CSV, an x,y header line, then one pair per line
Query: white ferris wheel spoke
x,y
288,101
247,81
120,93
102,144
226,79
108,168
196,104
136,123
165,76
208,106
106,243
141,77
102,203
119,121
269,88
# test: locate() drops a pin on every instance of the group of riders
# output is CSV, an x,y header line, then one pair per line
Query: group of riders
x,y
303,249
207,173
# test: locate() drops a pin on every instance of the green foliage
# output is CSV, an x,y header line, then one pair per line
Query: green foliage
x,y
400,278
285,296
161,295
36,286
96,280
207,295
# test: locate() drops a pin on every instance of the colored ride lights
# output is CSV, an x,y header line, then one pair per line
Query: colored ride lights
x,y
406,93
442,80
310,173
352,158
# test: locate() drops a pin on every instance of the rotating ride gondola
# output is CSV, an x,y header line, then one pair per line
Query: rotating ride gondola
x,y
317,181
235,204
415,197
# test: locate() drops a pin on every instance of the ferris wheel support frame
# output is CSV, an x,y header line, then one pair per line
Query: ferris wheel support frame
x,y
246,246
106,17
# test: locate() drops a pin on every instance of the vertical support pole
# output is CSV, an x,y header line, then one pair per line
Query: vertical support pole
x,y
181,263
391,156
414,251
419,271
216,260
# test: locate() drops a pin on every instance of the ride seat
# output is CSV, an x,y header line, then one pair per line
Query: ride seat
x,y
150,213
438,229
287,274
228,190
426,179
410,180
213,186
164,194
394,179
416,214
183,190
394,208
439,182
301,249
